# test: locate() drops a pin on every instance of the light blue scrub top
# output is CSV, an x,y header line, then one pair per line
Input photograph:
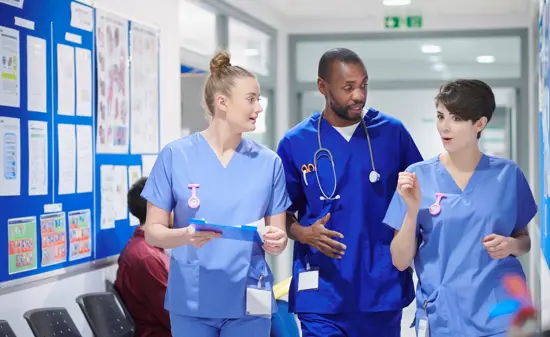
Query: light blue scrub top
x,y
364,279
457,277
211,281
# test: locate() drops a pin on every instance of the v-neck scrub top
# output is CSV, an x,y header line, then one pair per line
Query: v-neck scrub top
x,y
458,280
211,281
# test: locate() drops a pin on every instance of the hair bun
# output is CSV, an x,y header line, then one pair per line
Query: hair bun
x,y
220,62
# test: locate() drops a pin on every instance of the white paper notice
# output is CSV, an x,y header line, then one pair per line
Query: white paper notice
x,y
83,82
10,156
144,78
121,191
65,80
134,173
14,3
36,74
82,17
108,212
147,163
84,171
38,158
10,81
113,92
67,158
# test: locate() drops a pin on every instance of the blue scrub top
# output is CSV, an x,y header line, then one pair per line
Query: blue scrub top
x,y
211,281
364,279
457,278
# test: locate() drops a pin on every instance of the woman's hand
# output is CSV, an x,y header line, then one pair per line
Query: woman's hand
x,y
409,189
197,238
275,240
498,246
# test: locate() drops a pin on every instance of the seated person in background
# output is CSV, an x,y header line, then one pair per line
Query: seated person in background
x,y
142,275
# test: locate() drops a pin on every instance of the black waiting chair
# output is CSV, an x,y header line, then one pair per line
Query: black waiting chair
x,y
104,315
51,322
112,288
5,329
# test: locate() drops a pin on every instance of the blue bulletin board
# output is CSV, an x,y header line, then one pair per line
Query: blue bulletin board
x,y
52,190
544,111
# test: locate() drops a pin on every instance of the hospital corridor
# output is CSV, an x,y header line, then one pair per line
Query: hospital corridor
x,y
274,168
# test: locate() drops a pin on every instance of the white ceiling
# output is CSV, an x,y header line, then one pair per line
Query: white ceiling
x,y
341,9
390,60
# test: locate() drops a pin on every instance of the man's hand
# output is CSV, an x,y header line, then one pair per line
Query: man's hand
x,y
321,238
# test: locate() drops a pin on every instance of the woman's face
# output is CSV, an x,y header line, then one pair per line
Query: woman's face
x,y
242,108
456,133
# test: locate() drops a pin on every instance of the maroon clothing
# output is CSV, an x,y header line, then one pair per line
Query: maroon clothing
x,y
141,280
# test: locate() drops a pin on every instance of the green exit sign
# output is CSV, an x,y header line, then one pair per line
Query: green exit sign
x,y
394,22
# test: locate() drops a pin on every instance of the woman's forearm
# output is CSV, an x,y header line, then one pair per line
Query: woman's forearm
x,y
163,237
403,245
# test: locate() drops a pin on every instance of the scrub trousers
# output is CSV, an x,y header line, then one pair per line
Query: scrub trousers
x,y
185,326
361,324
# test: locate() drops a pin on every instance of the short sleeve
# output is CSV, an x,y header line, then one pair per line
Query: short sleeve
x,y
409,152
395,215
292,177
396,212
279,200
526,205
158,189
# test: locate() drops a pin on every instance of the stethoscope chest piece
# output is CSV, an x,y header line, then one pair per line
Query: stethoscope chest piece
x,y
374,176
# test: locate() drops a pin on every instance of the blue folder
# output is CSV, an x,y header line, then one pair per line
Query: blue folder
x,y
241,233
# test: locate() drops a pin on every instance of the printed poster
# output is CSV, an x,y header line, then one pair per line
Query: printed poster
x,y
22,244
10,156
80,237
53,231
113,84
10,81
145,90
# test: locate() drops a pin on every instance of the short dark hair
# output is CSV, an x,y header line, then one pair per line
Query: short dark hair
x,y
468,99
337,54
136,203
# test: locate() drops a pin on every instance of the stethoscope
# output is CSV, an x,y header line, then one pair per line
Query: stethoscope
x,y
374,176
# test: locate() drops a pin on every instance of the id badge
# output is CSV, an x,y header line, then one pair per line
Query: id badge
x,y
308,279
423,327
258,300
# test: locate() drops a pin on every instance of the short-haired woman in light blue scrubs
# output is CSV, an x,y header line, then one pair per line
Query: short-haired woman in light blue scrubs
x,y
217,286
462,216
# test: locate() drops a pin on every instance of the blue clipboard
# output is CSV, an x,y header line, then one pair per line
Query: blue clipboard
x,y
240,233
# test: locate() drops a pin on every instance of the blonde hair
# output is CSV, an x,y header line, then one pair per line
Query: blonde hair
x,y
221,79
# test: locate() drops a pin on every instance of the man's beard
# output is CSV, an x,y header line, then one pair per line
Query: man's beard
x,y
342,111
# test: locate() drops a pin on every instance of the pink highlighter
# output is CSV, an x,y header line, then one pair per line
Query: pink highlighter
x,y
435,209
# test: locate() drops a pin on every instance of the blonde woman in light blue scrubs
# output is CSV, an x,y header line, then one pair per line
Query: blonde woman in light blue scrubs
x,y
227,179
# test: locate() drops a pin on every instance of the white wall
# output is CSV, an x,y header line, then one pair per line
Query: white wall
x,y
63,292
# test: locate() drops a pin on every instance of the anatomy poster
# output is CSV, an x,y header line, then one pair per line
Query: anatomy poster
x,y
145,89
113,104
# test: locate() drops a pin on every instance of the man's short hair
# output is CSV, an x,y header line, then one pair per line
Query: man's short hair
x,y
136,203
337,54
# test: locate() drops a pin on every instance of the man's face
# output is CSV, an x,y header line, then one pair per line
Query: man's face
x,y
346,89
